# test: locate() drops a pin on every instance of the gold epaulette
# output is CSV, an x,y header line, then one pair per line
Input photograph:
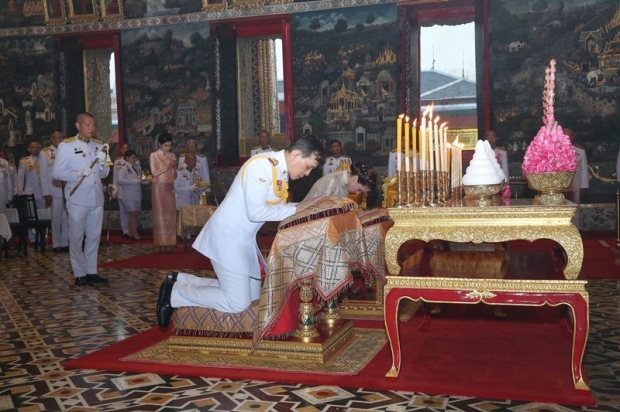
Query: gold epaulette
x,y
70,139
46,149
255,147
94,139
181,168
580,146
273,161
199,155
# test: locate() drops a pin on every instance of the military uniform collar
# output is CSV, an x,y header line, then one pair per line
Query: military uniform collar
x,y
81,139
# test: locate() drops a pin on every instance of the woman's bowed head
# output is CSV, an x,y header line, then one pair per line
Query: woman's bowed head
x,y
551,150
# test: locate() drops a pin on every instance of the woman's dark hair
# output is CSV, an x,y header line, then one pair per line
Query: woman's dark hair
x,y
366,174
129,153
164,138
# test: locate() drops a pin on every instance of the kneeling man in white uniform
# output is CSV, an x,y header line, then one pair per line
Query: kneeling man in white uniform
x,y
258,194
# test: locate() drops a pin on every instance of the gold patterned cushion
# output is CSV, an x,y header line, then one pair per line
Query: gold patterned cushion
x,y
374,216
317,208
197,321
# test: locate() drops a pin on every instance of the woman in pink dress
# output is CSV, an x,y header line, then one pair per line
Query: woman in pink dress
x,y
164,170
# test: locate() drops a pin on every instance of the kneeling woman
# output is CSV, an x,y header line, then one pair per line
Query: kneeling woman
x,y
361,179
130,179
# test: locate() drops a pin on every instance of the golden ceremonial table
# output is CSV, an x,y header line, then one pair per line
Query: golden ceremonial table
x,y
517,220
192,219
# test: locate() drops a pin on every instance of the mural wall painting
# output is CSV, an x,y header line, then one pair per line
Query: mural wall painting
x,y
166,86
584,37
345,68
27,93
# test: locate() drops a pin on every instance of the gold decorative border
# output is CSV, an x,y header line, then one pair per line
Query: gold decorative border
x,y
247,4
82,17
106,16
51,20
214,5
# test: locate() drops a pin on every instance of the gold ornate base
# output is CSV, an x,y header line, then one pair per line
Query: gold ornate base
x,y
553,198
331,338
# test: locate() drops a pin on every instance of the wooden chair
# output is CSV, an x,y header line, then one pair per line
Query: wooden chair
x,y
27,209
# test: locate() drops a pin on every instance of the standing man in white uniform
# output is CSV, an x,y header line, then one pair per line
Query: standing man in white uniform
x,y
202,165
28,179
337,162
117,189
52,194
500,153
12,174
257,195
264,144
581,180
84,202
6,185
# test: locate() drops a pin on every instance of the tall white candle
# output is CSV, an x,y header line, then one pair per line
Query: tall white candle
x,y
399,133
423,141
407,127
414,145
444,145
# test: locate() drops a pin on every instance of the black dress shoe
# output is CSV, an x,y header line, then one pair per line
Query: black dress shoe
x,y
64,249
172,277
57,250
96,279
126,236
82,281
164,307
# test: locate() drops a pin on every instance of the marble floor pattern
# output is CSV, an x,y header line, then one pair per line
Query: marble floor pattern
x,y
45,320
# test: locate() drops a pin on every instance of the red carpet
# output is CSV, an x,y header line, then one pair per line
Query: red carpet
x,y
178,259
521,358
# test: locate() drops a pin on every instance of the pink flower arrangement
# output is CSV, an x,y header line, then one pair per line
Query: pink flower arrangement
x,y
551,150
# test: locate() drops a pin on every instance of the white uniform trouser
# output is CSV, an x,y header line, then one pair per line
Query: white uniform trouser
x,y
230,292
4,198
60,223
84,221
124,217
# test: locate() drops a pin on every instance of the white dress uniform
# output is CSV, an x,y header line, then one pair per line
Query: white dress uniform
x,y
129,180
336,164
258,150
185,191
52,187
502,157
28,179
6,185
85,206
393,160
229,237
202,166
118,163
581,179
336,184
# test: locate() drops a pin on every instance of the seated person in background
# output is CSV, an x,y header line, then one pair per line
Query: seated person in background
x,y
257,195
185,188
202,165
500,152
360,179
264,140
337,161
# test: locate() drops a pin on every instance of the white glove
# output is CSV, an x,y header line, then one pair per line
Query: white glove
x,y
85,172
101,157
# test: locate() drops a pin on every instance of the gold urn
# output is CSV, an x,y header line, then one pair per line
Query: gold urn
x,y
550,186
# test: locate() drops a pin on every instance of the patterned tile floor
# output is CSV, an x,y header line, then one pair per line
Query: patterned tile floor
x,y
45,320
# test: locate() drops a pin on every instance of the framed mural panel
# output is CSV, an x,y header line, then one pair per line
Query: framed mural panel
x,y
214,5
82,11
54,12
111,10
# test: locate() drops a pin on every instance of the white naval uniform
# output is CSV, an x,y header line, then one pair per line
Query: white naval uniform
x,y
185,191
618,167
203,168
85,206
502,156
6,185
123,213
28,179
229,238
336,164
52,187
129,180
581,179
258,150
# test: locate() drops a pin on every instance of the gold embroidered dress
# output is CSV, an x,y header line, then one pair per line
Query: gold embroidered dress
x,y
164,171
